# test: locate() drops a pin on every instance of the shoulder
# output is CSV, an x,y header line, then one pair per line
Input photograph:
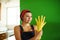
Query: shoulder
x,y
17,32
17,27
35,27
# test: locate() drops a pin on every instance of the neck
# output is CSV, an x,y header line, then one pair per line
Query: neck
x,y
25,24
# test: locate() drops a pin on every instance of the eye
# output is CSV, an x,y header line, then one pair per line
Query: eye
x,y
31,16
27,16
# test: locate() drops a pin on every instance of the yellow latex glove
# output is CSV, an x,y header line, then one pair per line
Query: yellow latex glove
x,y
40,22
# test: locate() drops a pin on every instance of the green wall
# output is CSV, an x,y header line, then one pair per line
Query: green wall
x,y
48,8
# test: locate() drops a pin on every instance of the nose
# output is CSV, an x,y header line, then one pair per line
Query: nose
x,y
29,18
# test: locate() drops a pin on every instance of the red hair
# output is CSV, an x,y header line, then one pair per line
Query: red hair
x,y
23,13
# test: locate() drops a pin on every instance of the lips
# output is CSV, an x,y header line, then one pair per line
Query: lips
x,y
28,20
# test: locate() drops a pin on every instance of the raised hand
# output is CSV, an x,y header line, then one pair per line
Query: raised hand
x,y
40,22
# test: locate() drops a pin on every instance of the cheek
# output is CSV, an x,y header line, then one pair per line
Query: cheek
x,y
25,18
30,18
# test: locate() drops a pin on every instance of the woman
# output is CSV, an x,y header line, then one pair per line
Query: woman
x,y
25,31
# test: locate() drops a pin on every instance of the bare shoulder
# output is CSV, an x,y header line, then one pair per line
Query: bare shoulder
x,y
17,27
35,27
17,32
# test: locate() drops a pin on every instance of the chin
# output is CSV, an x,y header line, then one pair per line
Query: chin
x,y
28,22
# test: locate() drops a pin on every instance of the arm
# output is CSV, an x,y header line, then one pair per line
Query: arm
x,y
40,22
37,34
17,33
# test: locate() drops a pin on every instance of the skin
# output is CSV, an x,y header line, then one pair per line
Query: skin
x,y
26,26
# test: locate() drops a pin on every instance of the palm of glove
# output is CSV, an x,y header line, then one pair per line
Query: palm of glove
x,y
40,22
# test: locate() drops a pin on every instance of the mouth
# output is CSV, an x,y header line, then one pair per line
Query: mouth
x,y
28,20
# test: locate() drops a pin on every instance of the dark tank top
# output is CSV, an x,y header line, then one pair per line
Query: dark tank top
x,y
27,35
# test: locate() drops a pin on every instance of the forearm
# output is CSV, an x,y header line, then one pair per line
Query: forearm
x,y
37,36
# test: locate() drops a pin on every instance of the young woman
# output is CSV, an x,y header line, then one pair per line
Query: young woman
x,y
25,31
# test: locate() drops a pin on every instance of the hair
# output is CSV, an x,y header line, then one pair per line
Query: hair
x,y
23,13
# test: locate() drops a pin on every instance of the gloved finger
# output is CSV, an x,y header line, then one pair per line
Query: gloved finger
x,y
36,21
39,19
44,18
44,24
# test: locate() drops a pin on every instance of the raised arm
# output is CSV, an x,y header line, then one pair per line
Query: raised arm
x,y
38,34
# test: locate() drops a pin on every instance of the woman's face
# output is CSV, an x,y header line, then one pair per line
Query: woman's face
x,y
27,17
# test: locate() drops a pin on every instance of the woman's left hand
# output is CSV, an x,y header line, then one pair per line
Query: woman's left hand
x,y
40,22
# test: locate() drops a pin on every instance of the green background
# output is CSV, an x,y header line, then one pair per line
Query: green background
x,y
48,8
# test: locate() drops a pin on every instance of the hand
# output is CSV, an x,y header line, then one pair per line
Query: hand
x,y
40,22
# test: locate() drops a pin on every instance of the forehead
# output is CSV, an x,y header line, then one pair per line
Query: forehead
x,y
29,14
